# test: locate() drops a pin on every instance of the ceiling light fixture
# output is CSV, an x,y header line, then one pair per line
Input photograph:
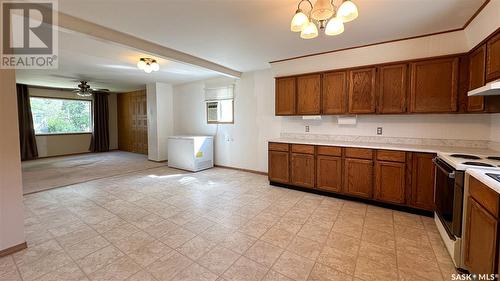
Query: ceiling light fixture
x,y
148,65
323,15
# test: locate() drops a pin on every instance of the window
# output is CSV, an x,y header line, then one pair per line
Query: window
x,y
61,116
220,112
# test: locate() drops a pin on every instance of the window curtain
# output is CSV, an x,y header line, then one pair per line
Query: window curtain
x,y
100,134
27,139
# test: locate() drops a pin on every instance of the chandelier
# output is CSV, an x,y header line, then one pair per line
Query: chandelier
x,y
148,65
323,15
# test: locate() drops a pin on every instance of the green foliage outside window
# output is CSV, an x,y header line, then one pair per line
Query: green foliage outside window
x,y
52,116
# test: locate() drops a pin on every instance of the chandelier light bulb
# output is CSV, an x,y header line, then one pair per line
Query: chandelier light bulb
x,y
347,11
148,68
155,66
322,10
141,64
299,21
310,31
335,26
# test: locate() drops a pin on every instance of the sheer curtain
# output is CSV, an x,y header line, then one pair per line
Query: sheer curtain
x,y
27,139
100,135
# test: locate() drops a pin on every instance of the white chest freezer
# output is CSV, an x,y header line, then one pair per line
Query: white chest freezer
x,y
192,153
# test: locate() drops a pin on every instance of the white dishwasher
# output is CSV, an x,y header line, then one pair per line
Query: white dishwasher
x,y
192,153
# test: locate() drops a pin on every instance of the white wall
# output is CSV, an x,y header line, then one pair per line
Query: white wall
x,y
11,188
484,24
77,143
160,119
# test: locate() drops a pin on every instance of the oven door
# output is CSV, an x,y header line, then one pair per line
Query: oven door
x,y
444,195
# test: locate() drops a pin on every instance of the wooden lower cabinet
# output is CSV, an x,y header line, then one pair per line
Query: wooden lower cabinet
x,y
358,177
422,181
279,169
302,169
329,173
480,238
390,182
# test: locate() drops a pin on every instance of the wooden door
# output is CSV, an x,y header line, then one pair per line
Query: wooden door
x,y
434,86
329,173
422,183
309,94
358,177
493,58
334,99
133,122
480,238
279,169
390,182
303,171
477,62
392,88
285,96
362,90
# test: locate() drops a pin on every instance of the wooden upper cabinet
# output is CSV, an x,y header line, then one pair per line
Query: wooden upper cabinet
x,y
390,179
334,99
493,58
329,173
434,86
303,170
309,94
480,238
392,87
361,93
358,177
285,96
477,65
422,181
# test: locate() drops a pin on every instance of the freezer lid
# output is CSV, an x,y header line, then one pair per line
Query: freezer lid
x,y
190,137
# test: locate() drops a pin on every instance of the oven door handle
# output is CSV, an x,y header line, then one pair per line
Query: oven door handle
x,y
450,175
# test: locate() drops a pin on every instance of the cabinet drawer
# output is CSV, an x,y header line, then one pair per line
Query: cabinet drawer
x,y
278,146
391,155
330,150
488,198
303,148
360,153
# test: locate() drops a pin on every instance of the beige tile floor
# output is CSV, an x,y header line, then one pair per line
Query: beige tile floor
x,y
163,224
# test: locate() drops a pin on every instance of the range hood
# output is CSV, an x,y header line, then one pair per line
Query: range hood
x,y
490,89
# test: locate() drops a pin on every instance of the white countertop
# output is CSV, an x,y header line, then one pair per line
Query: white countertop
x,y
390,146
480,175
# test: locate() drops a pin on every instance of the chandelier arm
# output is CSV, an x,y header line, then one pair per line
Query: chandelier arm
x,y
308,1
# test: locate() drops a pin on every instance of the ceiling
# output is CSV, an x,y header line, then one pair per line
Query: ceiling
x,y
106,65
246,34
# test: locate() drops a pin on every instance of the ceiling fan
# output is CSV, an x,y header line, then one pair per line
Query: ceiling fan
x,y
84,89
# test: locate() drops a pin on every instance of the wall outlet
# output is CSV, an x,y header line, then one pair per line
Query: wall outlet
x,y
307,129
379,130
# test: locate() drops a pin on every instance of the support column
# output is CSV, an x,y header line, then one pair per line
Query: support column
x,y
11,186
160,119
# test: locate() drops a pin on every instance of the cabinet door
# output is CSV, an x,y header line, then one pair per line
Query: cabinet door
x,y
279,167
392,88
434,86
422,183
303,171
493,58
334,99
480,238
285,96
477,61
309,94
362,90
390,182
329,173
358,177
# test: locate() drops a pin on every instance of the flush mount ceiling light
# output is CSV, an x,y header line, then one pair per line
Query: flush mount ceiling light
x,y
323,15
148,65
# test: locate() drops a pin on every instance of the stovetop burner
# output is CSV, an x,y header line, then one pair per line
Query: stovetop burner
x,y
477,164
466,156
497,158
